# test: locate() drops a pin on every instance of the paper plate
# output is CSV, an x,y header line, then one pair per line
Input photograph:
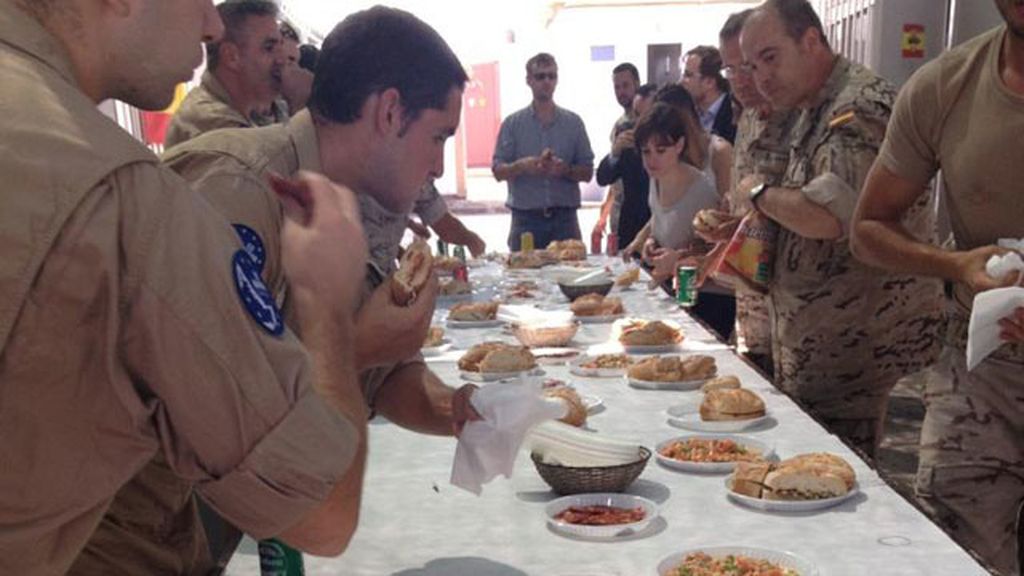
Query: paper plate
x,y
787,505
429,351
474,323
680,385
799,566
609,532
687,417
597,319
709,467
575,367
655,349
497,376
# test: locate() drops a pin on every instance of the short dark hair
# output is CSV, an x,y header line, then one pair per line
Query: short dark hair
x,y
288,32
734,25
797,16
647,90
234,14
710,65
627,67
540,59
663,124
374,50
308,56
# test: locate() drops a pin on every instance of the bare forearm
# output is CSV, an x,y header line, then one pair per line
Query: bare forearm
x,y
889,246
792,210
417,400
503,172
452,230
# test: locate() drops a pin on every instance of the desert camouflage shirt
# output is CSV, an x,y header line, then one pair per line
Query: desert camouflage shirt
x,y
841,326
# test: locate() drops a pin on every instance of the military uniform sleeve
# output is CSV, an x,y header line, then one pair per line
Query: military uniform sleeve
x,y
232,403
910,147
430,206
842,161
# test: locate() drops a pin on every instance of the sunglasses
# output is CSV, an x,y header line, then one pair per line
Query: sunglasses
x,y
542,76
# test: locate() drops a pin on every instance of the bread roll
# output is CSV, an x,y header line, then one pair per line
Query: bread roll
x,y
473,311
823,463
628,277
653,333
736,404
413,272
576,413
721,383
596,305
748,478
496,357
435,335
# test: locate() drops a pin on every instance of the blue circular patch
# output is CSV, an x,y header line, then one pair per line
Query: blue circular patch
x,y
252,244
255,296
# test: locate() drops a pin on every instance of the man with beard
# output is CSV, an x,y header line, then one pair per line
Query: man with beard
x,y
626,82
961,114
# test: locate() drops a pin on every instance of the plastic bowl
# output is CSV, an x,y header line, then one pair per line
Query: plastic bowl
x,y
574,291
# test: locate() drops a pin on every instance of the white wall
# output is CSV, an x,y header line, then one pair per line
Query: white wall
x,y
972,17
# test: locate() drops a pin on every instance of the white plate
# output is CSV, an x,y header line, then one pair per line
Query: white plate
x,y
710,467
687,417
787,505
496,376
600,499
785,559
591,403
576,368
555,356
474,323
441,348
657,349
597,319
680,385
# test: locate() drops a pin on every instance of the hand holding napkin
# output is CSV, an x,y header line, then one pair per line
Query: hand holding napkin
x,y
991,306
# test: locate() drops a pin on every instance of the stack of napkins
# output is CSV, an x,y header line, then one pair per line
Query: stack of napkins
x,y
991,306
559,443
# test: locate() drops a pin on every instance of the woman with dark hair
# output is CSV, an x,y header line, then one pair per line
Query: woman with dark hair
x,y
673,147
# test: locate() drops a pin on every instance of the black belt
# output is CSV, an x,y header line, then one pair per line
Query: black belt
x,y
544,212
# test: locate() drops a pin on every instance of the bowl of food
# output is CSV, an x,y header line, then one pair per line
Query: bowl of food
x,y
584,479
545,334
573,290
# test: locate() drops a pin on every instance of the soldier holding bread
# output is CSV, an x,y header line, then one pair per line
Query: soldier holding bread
x,y
384,137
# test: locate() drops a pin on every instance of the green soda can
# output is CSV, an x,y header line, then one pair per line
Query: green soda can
x,y
279,559
460,252
686,292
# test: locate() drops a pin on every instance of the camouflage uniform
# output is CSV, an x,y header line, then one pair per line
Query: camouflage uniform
x,y
762,147
206,107
843,332
956,114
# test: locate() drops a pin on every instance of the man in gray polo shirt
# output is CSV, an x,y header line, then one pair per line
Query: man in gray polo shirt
x,y
544,153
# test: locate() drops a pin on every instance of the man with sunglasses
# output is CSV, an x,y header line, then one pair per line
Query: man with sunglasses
x,y
544,153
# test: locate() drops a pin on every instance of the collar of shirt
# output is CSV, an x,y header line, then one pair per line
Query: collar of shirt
x,y
554,118
22,31
707,118
303,134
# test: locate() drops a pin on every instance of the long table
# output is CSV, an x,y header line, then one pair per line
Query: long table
x,y
415,523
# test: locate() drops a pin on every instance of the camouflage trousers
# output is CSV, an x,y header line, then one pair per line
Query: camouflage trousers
x,y
971,473
856,416
754,329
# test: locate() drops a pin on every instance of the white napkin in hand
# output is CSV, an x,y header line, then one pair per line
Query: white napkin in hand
x,y
1000,266
990,307
489,447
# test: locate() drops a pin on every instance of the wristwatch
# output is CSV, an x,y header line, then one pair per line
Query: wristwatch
x,y
756,192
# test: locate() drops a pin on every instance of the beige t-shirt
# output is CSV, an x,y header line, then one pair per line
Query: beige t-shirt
x,y
123,333
957,115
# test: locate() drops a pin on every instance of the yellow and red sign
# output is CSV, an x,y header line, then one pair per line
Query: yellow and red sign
x,y
913,43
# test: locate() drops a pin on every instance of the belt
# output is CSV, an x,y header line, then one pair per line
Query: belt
x,y
544,212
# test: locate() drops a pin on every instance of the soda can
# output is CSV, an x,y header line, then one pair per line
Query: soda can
x,y
613,244
279,559
526,242
595,241
686,292
460,252
442,248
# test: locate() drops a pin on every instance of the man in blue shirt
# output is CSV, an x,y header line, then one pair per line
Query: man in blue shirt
x,y
544,153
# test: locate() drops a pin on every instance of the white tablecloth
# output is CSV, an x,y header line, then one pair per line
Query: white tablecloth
x,y
414,523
